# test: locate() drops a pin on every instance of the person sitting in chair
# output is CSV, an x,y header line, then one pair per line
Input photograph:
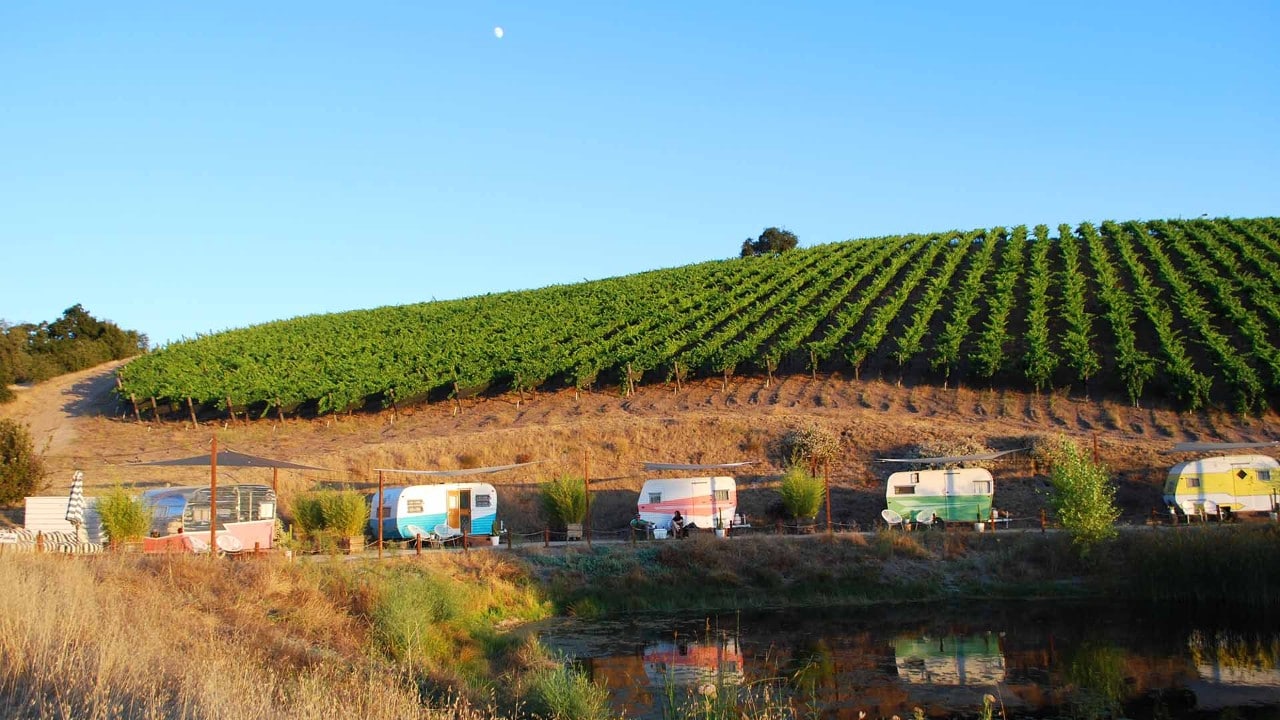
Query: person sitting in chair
x,y
642,526
677,525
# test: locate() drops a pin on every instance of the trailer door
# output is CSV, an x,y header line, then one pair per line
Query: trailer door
x,y
459,510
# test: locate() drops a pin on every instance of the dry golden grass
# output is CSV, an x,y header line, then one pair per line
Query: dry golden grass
x,y
179,637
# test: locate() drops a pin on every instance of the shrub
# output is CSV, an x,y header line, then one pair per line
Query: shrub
x,y
564,500
125,516
21,468
562,693
307,513
802,493
343,513
1083,496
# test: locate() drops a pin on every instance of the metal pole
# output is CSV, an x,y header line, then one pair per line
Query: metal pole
x,y
586,484
826,483
380,502
213,498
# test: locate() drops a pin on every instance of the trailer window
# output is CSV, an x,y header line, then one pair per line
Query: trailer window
x,y
1193,481
722,495
413,507
1264,475
655,497
481,500
982,487
386,511
904,489
915,478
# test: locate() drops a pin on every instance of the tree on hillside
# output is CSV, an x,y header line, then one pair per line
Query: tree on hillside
x,y
21,468
75,341
773,241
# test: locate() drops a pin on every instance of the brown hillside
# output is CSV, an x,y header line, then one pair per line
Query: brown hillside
x,y
77,422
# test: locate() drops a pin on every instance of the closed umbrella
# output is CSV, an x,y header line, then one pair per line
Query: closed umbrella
x,y
75,507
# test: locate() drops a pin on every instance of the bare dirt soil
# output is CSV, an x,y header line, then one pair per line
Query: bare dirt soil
x,y
79,424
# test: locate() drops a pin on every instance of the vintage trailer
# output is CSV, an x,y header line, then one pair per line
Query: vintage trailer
x,y
1235,483
442,510
706,502
245,516
950,494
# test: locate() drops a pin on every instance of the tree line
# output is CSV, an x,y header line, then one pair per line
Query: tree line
x,y
34,352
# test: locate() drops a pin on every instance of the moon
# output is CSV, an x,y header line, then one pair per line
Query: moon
x,y
498,32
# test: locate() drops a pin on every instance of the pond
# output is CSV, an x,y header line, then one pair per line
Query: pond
x,y
1027,659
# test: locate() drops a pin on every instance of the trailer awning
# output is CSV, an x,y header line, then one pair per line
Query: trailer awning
x,y
948,460
654,467
1213,447
458,473
230,458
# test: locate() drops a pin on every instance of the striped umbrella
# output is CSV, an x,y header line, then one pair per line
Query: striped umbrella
x,y
75,504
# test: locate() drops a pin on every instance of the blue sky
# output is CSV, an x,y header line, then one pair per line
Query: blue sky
x,y
183,169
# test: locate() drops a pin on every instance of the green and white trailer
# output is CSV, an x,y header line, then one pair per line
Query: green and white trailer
x,y
950,494
946,491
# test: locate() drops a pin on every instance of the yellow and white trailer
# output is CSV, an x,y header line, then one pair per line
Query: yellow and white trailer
x,y
1235,483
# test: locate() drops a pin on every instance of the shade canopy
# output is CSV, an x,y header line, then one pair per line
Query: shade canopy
x,y
459,473
1213,447
230,458
653,466
950,459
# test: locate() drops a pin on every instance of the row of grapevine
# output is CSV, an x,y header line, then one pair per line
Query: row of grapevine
x,y
1191,385
988,356
874,331
1040,362
1078,336
910,343
965,306
1249,387
1135,366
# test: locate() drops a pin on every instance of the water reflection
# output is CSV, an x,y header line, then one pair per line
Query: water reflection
x,y
691,662
1038,660
950,659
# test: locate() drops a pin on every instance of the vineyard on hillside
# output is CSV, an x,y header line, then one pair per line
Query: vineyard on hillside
x,y
1184,311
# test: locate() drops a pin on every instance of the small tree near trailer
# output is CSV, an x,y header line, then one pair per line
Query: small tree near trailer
x,y
125,517
1083,497
22,470
564,500
802,493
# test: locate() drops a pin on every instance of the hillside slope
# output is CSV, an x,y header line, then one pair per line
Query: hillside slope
x,y
608,437
1181,312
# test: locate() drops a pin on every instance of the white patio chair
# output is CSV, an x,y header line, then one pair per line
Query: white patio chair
x,y
892,518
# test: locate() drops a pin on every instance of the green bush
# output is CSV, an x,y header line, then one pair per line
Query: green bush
x,y
802,493
307,513
564,500
21,468
343,513
562,693
1083,497
125,516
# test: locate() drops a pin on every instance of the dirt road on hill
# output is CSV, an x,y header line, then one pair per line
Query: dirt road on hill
x,y
51,409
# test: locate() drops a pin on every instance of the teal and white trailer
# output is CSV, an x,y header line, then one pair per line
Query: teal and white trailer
x,y
443,509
